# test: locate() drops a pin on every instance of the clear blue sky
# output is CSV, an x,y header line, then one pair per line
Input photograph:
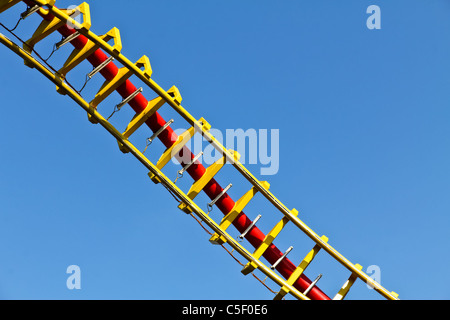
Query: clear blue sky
x,y
364,153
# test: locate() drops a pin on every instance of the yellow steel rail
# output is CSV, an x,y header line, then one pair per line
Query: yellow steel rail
x,y
173,99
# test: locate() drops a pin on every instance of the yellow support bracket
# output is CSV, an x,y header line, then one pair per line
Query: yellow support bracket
x,y
144,62
237,209
76,57
211,171
45,29
124,73
270,237
114,34
85,11
109,87
347,285
152,106
48,27
173,150
300,269
79,55
176,95
6,4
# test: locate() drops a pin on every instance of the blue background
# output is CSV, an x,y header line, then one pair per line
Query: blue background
x,y
364,149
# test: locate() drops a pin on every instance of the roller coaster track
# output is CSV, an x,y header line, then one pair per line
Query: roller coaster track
x,y
96,49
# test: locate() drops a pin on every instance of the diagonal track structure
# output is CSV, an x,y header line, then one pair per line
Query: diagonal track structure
x,y
97,51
